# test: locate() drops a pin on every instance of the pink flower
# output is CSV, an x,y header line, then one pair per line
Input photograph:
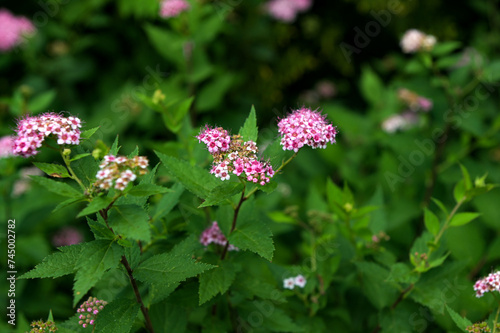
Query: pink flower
x,y
13,29
172,8
300,281
305,127
32,131
92,306
213,234
415,40
489,283
119,171
6,143
287,10
424,104
289,283
402,121
67,236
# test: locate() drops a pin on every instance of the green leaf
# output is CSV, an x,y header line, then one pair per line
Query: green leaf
x,y
117,316
252,233
57,264
41,101
441,206
130,221
444,48
375,285
168,202
95,205
173,114
87,134
167,43
249,131
96,258
56,187
275,154
68,202
99,229
222,192
462,218
169,268
371,86
215,281
466,177
77,157
460,321
114,148
195,179
212,93
459,191
431,222
147,190
53,170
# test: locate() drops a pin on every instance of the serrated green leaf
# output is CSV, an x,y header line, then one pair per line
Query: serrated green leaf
x,y
195,179
130,221
379,291
95,205
431,222
252,234
96,258
87,134
249,131
68,202
168,202
99,229
53,170
114,148
147,190
57,264
215,281
278,321
79,156
172,267
56,187
222,192
460,321
462,218
117,316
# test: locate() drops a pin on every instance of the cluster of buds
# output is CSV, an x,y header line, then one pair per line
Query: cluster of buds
x,y
119,171
481,328
172,8
32,131
415,40
305,127
14,29
489,283
287,10
414,101
290,283
232,155
213,234
88,311
41,326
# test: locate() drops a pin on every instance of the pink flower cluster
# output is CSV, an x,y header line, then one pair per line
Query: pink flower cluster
x,y
287,10
489,283
88,311
67,236
415,40
32,131
213,234
6,144
232,155
172,8
119,171
408,118
305,127
290,283
401,121
12,29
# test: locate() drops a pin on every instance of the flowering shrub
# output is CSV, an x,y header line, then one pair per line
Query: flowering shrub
x,y
357,195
